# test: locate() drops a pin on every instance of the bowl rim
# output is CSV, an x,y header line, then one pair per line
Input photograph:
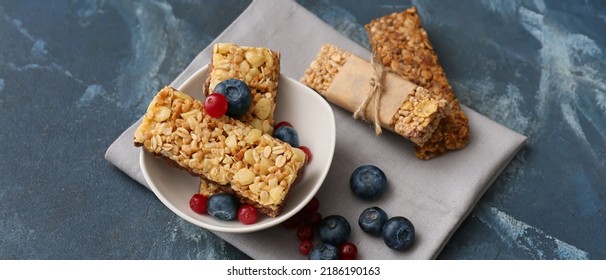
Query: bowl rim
x,y
144,157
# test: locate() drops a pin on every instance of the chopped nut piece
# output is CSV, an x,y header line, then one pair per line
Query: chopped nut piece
x,y
402,44
253,136
263,108
425,109
244,176
162,114
202,148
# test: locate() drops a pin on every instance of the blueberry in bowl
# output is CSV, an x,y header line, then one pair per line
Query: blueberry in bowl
x,y
222,206
368,182
237,94
287,134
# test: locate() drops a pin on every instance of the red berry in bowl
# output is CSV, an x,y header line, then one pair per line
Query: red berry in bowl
x,y
215,105
282,123
307,152
197,203
247,214
305,232
347,251
305,247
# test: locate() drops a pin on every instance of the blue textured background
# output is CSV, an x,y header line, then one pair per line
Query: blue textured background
x,y
75,74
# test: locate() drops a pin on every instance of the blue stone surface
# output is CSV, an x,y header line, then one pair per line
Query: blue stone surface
x,y
75,74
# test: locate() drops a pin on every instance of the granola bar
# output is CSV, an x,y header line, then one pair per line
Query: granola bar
x,y
254,166
403,47
259,68
405,108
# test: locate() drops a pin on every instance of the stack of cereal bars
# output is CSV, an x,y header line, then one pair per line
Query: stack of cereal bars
x,y
427,111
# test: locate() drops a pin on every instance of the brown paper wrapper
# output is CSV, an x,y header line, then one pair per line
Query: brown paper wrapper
x,y
351,86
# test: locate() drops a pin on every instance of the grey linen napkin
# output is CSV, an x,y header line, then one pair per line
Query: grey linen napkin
x,y
436,195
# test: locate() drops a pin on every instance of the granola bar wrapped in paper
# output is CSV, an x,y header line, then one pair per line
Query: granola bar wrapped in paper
x,y
401,106
403,47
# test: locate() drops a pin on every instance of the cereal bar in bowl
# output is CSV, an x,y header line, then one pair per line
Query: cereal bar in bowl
x,y
259,68
241,159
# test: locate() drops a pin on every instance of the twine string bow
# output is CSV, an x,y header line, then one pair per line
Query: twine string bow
x,y
376,88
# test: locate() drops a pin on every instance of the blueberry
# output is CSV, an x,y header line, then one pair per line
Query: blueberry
x,y
368,182
334,230
398,233
237,94
287,134
222,206
323,251
372,220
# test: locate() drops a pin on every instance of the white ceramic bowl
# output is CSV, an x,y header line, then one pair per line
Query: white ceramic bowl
x,y
309,114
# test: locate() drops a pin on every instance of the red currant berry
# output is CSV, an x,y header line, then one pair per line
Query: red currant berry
x,y
282,123
305,232
215,105
312,206
307,152
198,203
293,221
247,214
305,247
314,219
348,251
